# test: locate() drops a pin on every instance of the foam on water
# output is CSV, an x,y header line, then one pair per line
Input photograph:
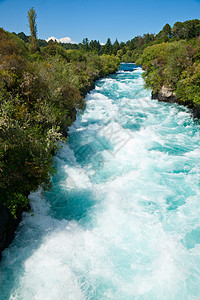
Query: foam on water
x,y
122,220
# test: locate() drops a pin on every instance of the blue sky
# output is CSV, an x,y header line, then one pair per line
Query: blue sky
x,y
77,19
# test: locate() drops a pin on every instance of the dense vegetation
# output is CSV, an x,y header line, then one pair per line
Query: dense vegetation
x,y
176,66
132,49
171,59
172,62
40,90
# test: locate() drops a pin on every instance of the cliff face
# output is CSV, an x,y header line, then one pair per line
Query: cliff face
x,y
167,95
8,225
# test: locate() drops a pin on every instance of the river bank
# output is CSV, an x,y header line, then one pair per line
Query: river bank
x,y
166,95
39,99
9,222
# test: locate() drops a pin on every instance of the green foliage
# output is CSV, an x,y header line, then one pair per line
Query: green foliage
x,y
39,94
115,47
175,65
108,47
188,87
95,46
24,37
167,30
186,30
15,201
110,64
133,49
172,61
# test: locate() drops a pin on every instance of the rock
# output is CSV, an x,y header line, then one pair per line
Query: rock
x,y
196,111
3,225
8,225
165,94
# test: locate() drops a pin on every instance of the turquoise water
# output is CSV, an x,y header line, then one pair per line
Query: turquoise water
x,y
122,220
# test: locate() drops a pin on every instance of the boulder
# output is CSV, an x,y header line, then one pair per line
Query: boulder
x,y
165,94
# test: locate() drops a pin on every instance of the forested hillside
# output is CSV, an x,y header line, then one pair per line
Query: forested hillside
x,y
170,59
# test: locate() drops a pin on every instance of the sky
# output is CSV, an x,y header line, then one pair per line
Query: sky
x,y
78,19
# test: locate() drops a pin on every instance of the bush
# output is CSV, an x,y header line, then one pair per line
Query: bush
x,y
39,95
176,66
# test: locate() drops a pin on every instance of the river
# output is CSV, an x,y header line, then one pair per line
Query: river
x,y
122,220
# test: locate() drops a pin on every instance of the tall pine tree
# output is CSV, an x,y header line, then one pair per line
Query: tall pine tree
x,y
33,30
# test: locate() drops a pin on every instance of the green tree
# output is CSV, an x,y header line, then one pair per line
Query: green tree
x,y
178,30
191,28
24,37
95,46
167,30
85,44
108,47
33,30
115,47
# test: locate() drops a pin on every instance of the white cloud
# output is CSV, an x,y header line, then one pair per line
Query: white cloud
x,y
102,44
61,40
